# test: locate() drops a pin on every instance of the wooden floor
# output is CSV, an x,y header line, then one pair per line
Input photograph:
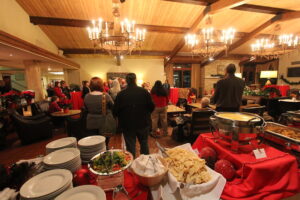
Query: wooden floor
x,y
16,151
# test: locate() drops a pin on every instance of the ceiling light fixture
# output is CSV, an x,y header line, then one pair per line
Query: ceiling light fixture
x,y
208,42
117,38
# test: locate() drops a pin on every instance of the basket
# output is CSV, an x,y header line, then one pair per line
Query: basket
x,y
151,181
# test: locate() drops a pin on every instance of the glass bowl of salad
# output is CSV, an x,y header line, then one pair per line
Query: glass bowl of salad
x,y
110,162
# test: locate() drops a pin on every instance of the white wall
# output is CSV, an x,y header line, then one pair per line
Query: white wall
x,y
148,70
212,69
15,21
285,63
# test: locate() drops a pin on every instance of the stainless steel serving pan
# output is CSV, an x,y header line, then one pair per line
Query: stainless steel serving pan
x,y
253,125
285,138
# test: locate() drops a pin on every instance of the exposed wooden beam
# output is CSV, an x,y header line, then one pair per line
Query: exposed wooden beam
x,y
213,8
16,42
256,31
195,2
261,9
243,7
100,51
50,21
221,5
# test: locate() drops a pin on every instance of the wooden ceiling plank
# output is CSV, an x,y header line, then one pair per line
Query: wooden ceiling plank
x,y
213,8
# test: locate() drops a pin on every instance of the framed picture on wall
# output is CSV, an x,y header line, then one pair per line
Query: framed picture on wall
x,y
113,75
221,69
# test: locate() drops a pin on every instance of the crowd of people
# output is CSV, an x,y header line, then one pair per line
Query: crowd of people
x,y
137,111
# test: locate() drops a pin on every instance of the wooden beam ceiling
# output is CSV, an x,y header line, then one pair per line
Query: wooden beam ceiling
x,y
256,31
50,21
243,7
261,9
213,8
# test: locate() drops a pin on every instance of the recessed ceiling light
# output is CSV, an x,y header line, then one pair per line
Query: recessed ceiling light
x,y
211,59
10,54
49,69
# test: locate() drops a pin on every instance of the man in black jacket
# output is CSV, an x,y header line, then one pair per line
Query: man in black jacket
x,y
229,91
133,107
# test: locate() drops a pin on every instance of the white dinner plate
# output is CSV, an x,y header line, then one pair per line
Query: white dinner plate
x,y
46,183
61,143
88,192
91,141
62,156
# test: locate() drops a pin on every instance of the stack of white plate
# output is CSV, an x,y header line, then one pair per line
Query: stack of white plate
x,y
91,146
68,142
68,158
88,192
47,185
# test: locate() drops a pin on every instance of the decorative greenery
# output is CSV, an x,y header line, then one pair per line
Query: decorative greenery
x,y
249,92
289,82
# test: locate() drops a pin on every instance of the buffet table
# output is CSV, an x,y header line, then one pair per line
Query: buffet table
x,y
274,177
135,190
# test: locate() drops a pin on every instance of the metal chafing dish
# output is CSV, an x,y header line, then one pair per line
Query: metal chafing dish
x,y
293,116
283,140
237,129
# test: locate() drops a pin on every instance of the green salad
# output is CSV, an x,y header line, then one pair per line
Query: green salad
x,y
111,161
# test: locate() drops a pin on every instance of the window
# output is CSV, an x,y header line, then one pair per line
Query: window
x,y
182,75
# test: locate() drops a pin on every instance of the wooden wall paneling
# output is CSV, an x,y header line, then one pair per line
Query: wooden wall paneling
x,y
285,4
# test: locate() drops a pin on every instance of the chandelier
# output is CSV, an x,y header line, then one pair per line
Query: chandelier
x,y
208,42
273,46
117,38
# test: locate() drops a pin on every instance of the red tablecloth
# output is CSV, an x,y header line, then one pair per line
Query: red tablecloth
x,y
282,88
76,100
174,94
132,186
271,178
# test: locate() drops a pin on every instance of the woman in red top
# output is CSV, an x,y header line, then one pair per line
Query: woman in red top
x,y
160,99
54,107
57,91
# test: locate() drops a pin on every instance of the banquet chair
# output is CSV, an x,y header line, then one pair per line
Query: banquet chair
x,y
255,110
200,123
288,106
33,128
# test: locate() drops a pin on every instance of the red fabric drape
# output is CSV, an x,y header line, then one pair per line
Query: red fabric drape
x,y
271,178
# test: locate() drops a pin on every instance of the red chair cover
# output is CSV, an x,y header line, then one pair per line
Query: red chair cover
x,y
174,93
271,178
76,100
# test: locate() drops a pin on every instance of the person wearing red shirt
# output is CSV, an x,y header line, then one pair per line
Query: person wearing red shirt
x,y
160,98
54,107
57,91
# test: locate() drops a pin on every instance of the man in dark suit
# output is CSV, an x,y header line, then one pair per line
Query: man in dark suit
x,y
229,91
133,107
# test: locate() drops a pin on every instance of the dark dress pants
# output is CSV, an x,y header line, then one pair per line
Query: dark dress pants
x,y
142,136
